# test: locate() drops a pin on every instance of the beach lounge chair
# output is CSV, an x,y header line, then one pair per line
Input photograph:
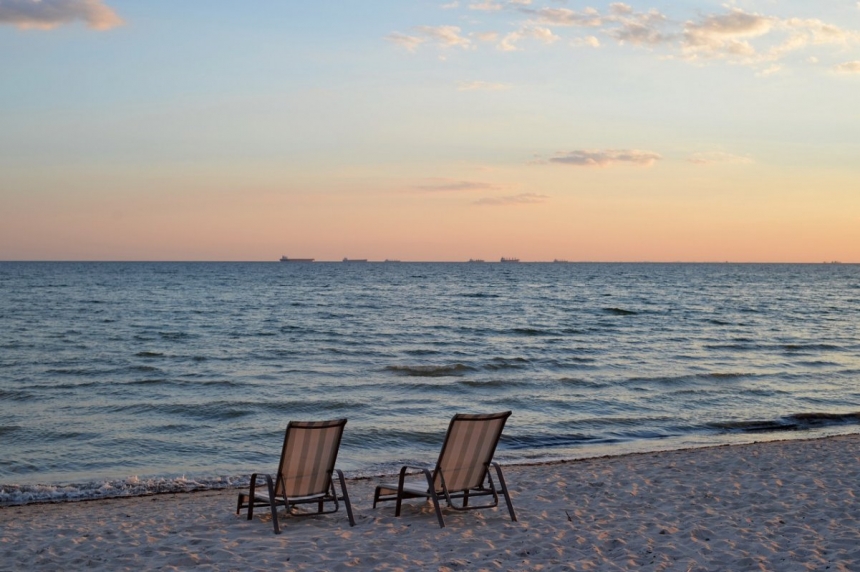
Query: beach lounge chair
x,y
462,471
304,473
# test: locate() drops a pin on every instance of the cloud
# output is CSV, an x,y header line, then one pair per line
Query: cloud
x,y
590,41
407,42
755,39
450,6
770,70
588,18
848,67
49,14
443,36
486,5
715,157
620,9
509,42
606,158
733,35
446,185
521,199
482,86
721,35
486,36
645,29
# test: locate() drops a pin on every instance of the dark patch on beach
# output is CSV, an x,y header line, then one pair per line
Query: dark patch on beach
x,y
794,422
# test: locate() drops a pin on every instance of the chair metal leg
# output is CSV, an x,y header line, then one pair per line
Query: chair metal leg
x,y
251,496
400,492
273,505
346,497
505,492
431,488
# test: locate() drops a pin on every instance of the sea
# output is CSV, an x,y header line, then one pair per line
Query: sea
x,y
122,379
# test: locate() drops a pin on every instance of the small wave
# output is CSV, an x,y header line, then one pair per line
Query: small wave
x,y
130,487
572,360
157,381
67,385
149,354
203,383
15,395
673,380
174,335
809,347
719,322
717,375
89,372
490,383
7,429
456,370
531,332
732,346
620,312
422,352
544,440
506,363
574,331
579,382
479,295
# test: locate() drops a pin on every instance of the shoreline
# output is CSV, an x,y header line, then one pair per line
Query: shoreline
x,y
183,484
775,505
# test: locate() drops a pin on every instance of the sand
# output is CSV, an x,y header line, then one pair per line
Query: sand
x,y
789,505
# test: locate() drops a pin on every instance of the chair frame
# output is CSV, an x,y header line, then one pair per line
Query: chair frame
x,y
277,492
486,488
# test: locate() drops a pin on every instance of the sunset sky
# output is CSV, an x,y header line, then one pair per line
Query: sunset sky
x,y
416,130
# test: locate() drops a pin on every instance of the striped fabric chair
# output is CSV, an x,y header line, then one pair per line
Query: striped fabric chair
x,y
462,471
304,474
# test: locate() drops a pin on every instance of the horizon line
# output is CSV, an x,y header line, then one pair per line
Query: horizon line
x,y
478,261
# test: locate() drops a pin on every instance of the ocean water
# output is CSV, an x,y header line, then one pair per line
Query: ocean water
x,y
131,378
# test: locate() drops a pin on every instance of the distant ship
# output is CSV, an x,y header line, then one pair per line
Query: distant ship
x,y
475,260
285,259
510,259
355,259
558,261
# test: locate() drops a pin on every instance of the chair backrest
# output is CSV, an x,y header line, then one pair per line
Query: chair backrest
x,y
468,448
308,457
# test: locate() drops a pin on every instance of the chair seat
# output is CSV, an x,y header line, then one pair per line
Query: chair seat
x,y
264,496
420,490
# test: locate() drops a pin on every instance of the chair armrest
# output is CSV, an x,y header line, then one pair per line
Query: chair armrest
x,y
254,477
427,474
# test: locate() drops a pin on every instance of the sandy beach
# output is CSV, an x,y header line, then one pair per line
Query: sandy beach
x,y
788,505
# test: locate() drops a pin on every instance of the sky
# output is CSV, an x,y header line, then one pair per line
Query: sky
x,y
417,130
